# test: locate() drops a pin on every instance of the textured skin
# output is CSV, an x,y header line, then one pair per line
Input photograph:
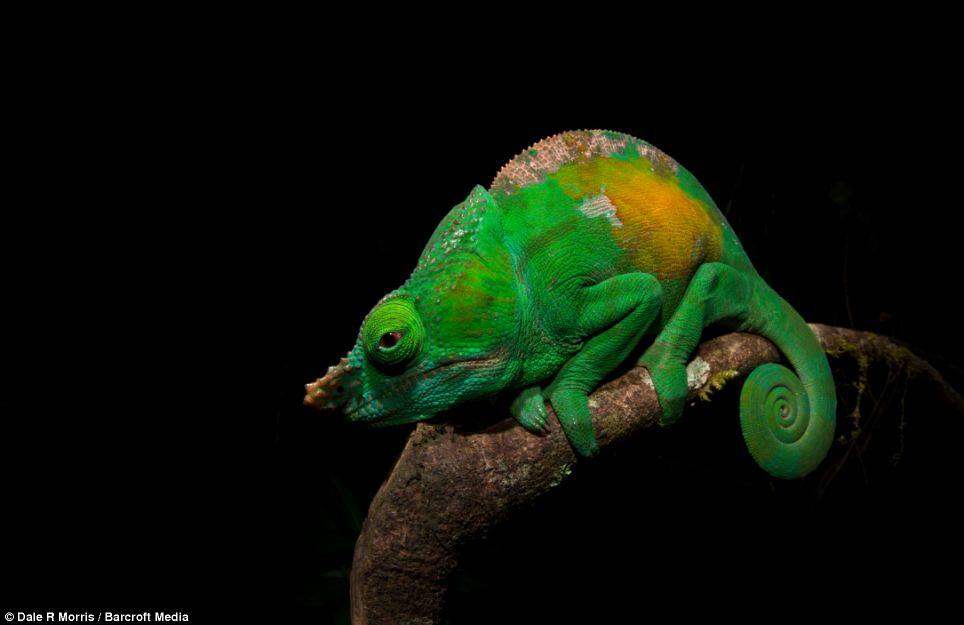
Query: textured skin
x,y
587,247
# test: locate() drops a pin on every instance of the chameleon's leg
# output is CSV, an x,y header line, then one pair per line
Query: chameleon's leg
x,y
615,313
716,292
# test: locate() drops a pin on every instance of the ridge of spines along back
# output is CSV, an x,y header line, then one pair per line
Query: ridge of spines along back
x,y
546,156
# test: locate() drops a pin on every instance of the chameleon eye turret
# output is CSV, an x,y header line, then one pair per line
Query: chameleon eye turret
x,y
393,334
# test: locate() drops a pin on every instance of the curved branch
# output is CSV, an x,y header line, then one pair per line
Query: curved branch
x,y
448,487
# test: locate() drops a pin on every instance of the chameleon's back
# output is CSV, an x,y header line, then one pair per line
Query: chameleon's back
x,y
628,201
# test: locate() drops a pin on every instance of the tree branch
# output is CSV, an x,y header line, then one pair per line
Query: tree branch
x,y
448,487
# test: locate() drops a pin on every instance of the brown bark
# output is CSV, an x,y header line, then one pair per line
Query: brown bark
x,y
448,487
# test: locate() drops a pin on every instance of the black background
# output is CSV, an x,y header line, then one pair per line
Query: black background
x,y
190,243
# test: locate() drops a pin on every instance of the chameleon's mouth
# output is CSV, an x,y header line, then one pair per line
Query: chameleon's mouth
x,y
376,412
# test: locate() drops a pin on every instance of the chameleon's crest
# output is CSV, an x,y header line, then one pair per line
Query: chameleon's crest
x,y
547,156
458,234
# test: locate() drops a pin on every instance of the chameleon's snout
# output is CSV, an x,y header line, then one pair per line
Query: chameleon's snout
x,y
331,390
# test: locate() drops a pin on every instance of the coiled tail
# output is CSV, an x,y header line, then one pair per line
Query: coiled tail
x,y
787,418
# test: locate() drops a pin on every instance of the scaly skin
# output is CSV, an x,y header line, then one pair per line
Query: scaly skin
x,y
586,245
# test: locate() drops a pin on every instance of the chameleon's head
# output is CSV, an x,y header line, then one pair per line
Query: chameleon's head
x,y
441,339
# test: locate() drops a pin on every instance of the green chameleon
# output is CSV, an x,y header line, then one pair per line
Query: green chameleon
x,y
584,246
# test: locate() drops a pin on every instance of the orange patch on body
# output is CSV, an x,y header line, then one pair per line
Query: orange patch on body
x,y
664,230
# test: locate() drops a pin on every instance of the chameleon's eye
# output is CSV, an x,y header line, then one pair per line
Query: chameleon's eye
x,y
393,334
389,340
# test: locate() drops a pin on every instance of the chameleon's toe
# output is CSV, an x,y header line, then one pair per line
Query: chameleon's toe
x,y
529,409
572,410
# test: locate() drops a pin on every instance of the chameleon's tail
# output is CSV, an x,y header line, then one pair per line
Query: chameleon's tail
x,y
788,421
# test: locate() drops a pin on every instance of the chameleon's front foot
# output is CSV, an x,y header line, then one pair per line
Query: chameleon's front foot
x,y
572,410
529,409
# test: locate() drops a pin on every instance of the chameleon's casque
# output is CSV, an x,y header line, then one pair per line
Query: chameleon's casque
x,y
585,246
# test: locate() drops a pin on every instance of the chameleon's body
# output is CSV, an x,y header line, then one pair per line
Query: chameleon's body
x,y
584,246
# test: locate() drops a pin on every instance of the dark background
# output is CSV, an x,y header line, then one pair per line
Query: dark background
x,y
188,248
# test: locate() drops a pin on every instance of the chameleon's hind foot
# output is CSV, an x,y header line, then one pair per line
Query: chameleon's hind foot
x,y
529,409
669,380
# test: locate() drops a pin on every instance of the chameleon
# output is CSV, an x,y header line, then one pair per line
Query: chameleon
x,y
587,250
